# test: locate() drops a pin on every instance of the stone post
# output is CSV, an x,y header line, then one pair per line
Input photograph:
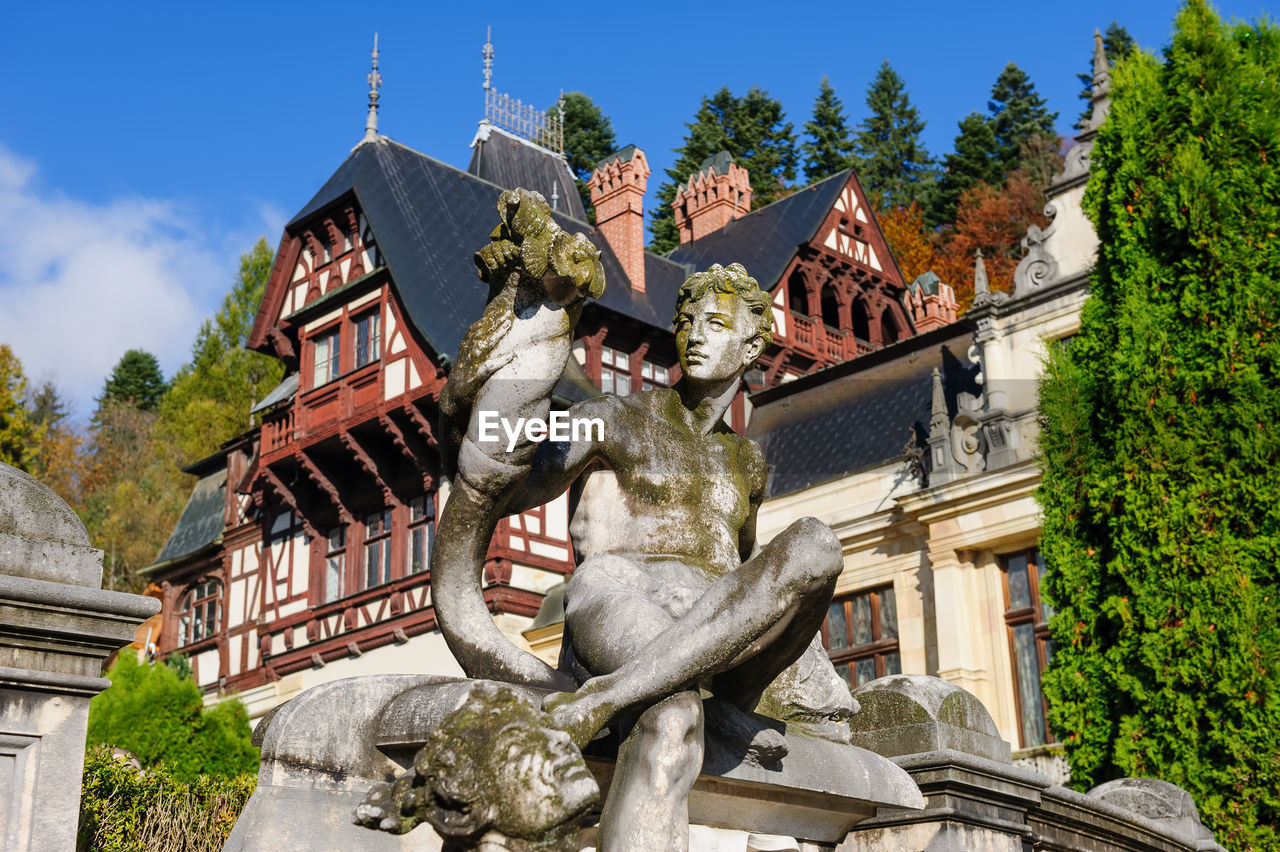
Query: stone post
x,y
57,626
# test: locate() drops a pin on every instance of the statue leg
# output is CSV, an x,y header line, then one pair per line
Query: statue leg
x,y
766,611
660,758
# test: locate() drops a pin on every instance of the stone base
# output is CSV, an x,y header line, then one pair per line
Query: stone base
x,y
322,750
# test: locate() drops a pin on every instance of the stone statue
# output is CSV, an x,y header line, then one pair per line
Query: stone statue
x,y
493,775
672,596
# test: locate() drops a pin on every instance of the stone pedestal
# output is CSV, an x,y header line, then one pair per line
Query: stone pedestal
x,y
977,798
323,749
57,626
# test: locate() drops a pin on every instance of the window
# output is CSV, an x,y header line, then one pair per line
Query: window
x,y
326,358
861,635
198,612
797,294
335,564
653,376
422,534
861,323
377,548
1029,644
368,338
615,371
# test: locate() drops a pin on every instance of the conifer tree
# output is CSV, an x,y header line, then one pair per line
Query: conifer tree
x,y
1017,114
973,161
588,139
1160,442
830,148
1118,44
212,394
893,165
135,379
753,129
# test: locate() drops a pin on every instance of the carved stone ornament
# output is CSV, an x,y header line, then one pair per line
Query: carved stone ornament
x,y
1038,267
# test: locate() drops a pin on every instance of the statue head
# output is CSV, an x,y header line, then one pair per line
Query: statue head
x,y
723,323
495,766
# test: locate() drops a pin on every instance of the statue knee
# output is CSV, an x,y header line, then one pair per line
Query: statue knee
x,y
673,721
814,551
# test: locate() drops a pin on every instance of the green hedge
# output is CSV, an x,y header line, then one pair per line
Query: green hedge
x,y
125,810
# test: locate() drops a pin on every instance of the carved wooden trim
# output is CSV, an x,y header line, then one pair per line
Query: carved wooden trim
x,y
326,486
287,496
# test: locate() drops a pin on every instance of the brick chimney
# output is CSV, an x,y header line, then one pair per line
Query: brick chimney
x,y
617,193
931,303
715,195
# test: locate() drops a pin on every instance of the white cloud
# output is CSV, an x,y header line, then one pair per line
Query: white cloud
x,y
82,282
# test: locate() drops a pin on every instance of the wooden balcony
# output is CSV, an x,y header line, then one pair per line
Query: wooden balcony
x,y
823,342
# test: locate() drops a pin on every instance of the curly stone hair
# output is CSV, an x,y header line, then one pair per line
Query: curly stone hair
x,y
731,280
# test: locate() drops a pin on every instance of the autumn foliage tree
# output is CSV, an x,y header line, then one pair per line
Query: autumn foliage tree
x,y
910,240
993,219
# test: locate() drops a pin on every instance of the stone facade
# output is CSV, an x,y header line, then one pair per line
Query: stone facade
x,y
57,626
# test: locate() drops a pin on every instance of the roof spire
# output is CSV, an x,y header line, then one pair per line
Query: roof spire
x,y
487,53
375,82
1101,97
980,284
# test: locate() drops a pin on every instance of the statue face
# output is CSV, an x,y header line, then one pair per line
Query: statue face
x,y
716,338
545,779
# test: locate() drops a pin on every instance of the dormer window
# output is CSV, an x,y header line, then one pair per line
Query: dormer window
x,y
326,348
368,338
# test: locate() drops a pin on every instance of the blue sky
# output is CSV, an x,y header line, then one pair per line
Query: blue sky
x,y
142,151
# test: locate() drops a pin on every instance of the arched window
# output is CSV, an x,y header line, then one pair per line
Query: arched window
x,y
888,328
861,324
830,306
199,611
797,294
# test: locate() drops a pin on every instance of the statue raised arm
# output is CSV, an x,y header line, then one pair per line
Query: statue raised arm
x,y
539,277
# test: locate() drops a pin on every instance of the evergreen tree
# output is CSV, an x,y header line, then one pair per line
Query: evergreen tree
x,y
588,139
211,395
1017,114
1160,447
753,129
160,717
1118,44
135,379
20,433
973,161
893,165
830,148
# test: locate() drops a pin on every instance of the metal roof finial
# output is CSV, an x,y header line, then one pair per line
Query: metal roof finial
x,y
375,82
488,58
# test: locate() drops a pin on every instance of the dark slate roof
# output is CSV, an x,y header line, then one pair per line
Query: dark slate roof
x,y
429,218
201,521
926,281
509,161
624,154
765,240
717,162
847,418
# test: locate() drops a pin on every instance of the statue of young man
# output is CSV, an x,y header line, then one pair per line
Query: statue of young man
x,y
672,594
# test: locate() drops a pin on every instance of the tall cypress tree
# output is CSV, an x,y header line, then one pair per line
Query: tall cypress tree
x,y
830,148
1160,447
1018,113
588,139
1118,44
892,162
753,128
974,159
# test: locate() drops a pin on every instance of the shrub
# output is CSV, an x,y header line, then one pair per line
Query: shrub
x,y
123,809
